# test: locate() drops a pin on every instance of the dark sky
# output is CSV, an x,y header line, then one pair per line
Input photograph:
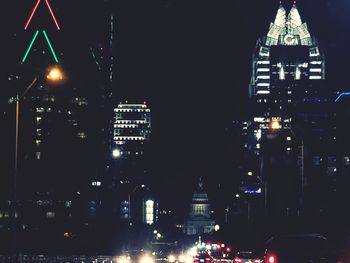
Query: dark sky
x,y
190,58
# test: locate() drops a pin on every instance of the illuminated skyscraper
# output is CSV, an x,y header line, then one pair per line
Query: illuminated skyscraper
x,y
131,136
286,62
292,112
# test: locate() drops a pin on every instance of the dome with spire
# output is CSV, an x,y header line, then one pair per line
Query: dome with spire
x,y
200,196
199,221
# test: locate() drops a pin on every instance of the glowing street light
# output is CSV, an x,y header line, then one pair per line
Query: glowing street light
x,y
275,124
116,153
55,74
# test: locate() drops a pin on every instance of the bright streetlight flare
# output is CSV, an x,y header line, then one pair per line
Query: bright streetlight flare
x,y
55,74
275,125
116,153
171,258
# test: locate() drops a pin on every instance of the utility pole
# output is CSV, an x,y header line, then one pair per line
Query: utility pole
x,y
302,174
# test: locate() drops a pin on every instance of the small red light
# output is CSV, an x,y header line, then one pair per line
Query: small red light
x,y
238,260
228,249
271,258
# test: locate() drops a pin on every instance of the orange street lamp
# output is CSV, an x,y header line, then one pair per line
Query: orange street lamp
x,y
55,74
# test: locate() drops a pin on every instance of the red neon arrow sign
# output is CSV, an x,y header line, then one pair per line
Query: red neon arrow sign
x,y
34,10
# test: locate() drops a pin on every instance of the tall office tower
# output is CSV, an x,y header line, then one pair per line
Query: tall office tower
x,y
293,115
129,169
285,60
131,136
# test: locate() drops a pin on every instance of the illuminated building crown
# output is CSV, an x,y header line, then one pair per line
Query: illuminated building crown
x,y
288,29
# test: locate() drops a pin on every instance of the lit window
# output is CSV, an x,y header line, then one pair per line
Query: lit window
x,y
81,135
96,183
38,120
297,73
315,77
38,155
50,214
37,143
282,74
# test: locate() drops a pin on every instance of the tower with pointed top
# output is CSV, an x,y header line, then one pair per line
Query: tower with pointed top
x,y
288,88
287,64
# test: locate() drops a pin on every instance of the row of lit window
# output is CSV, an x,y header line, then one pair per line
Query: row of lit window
x,y
129,138
126,126
41,110
80,101
131,122
132,105
132,110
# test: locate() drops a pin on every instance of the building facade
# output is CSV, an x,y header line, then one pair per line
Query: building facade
x,y
200,221
293,125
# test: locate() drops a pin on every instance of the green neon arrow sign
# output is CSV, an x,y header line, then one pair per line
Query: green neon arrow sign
x,y
32,43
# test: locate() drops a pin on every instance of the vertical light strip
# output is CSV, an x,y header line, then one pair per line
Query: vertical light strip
x,y
30,46
52,14
32,14
51,48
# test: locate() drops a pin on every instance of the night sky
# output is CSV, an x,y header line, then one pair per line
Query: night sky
x,y
191,59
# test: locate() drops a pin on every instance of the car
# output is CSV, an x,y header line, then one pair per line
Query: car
x,y
248,257
202,257
299,248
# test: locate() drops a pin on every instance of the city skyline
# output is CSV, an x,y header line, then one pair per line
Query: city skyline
x,y
232,79
158,94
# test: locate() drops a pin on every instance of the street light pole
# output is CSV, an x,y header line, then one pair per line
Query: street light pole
x,y
302,175
15,173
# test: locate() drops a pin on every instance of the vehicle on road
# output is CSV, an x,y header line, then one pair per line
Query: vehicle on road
x,y
299,248
248,257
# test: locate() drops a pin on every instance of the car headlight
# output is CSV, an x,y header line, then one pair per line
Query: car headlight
x,y
123,259
146,259
182,258
171,258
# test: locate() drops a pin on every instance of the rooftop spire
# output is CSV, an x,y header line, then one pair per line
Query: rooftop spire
x,y
281,17
200,183
294,17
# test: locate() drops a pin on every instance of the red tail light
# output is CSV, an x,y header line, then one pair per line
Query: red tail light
x,y
271,258
257,261
238,260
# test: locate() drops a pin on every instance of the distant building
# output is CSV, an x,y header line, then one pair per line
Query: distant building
x,y
131,131
132,128
199,221
131,136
